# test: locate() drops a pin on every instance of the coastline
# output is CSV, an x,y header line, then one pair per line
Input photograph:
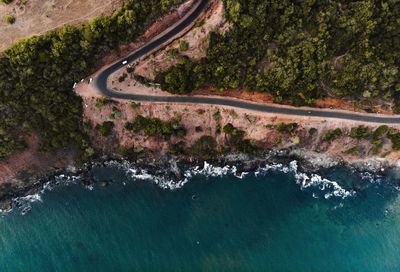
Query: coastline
x,y
311,153
172,172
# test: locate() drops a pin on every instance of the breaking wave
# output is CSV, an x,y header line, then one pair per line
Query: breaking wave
x,y
330,188
317,185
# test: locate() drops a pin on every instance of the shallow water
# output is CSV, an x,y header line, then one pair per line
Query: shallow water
x,y
267,222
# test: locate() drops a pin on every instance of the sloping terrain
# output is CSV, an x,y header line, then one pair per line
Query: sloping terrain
x,y
34,17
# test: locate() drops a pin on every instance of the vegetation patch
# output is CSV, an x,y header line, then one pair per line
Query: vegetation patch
x,y
115,113
286,128
135,105
183,45
37,74
217,116
105,129
156,127
360,132
331,135
340,48
312,131
237,140
122,77
394,136
380,132
205,147
9,19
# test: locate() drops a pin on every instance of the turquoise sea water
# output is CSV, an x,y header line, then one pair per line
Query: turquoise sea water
x,y
258,223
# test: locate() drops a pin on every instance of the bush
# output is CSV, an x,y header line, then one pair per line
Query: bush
x,y
115,113
122,77
204,148
217,116
105,129
183,45
237,140
6,1
331,135
286,128
102,101
9,19
229,128
395,138
312,131
135,105
125,151
178,149
360,132
380,132
156,127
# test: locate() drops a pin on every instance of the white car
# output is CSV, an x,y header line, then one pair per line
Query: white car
x,y
124,62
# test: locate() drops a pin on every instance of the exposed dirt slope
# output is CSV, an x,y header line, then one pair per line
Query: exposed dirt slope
x,y
34,17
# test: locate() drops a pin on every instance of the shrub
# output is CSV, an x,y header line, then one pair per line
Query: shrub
x,y
135,105
122,77
352,151
115,112
395,138
251,118
183,45
200,23
173,53
229,128
156,127
217,116
9,19
105,129
360,132
380,132
218,129
102,101
205,147
178,149
312,131
130,69
286,128
331,135
237,140
6,1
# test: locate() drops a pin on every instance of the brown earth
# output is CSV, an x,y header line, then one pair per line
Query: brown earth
x,y
257,126
152,31
197,40
33,161
35,17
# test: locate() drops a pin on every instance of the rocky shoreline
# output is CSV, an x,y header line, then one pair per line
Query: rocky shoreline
x,y
173,168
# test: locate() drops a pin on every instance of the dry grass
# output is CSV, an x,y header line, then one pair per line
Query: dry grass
x,y
34,17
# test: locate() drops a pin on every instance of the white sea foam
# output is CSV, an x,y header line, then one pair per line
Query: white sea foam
x,y
23,203
332,188
323,184
305,181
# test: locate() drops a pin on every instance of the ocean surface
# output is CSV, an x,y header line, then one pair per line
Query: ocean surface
x,y
275,219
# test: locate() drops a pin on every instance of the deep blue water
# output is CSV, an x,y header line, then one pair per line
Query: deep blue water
x,y
263,223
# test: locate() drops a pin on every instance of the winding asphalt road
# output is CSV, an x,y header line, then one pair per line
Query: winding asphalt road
x,y
101,83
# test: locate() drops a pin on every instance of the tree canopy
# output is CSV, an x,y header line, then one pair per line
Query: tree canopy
x,y
301,50
37,75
